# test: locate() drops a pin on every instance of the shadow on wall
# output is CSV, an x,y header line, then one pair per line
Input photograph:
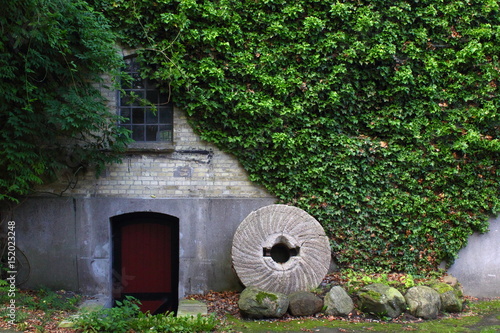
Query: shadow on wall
x,y
477,267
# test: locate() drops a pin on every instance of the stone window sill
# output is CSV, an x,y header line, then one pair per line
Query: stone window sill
x,y
150,147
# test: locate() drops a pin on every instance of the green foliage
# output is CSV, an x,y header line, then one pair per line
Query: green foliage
x,y
356,280
116,319
168,323
52,114
39,306
379,119
4,291
126,316
48,301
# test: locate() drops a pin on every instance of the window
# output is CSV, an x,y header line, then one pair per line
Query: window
x,y
147,112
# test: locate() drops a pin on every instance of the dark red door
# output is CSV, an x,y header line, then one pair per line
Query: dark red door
x,y
145,260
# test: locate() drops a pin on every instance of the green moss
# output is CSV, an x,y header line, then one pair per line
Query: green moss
x,y
393,293
372,295
485,307
477,319
441,287
444,325
262,295
492,329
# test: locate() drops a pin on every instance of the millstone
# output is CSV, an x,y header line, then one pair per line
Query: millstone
x,y
280,248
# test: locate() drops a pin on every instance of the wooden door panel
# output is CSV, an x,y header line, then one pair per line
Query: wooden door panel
x,y
146,258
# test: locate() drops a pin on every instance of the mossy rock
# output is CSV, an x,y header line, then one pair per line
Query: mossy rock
x,y
339,303
257,303
450,297
381,300
304,303
423,302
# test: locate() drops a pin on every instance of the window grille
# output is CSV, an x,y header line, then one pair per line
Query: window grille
x,y
148,113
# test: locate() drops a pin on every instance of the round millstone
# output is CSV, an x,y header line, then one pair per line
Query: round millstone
x,y
280,248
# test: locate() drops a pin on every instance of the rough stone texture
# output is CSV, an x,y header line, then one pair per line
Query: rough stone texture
x,y
304,303
381,300
257,303
450,297
338,302
292,227
98,302
451,280
423,302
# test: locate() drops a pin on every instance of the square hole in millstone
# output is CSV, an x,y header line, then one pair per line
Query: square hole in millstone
x,y
281,253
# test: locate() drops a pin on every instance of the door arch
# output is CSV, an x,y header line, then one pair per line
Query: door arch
x,y
146,259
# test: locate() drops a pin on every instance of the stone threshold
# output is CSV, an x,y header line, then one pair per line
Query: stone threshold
x,y
191,307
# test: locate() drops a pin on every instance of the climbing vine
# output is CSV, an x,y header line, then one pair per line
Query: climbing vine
x,y
53,117
379,118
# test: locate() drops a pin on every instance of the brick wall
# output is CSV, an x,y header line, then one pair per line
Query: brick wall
x,y
191,168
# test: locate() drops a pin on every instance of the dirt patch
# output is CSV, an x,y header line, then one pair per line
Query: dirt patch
x,y
489,321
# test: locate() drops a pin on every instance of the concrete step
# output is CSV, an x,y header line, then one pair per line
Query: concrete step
x,y
191,307
95,304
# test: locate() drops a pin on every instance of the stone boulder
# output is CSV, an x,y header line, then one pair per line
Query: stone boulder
x,y
257,303
304,303
423,302
338,302
452,281
381,300
450,297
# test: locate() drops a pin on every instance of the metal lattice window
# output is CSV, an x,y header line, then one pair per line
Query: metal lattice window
x,y
148,113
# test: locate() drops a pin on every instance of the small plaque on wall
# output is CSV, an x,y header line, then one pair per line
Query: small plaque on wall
x,y
183,171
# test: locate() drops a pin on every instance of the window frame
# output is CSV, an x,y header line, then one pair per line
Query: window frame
x,y
162,110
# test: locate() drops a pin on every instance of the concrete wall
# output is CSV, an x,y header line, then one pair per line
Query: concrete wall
x,y
478,265
68,240
68,243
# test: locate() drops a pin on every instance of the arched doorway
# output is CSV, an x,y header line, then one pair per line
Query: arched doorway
x,y
146,259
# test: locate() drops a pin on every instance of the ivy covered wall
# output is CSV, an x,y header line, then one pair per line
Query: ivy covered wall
x,y
377,117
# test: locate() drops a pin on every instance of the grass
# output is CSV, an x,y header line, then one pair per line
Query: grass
x,y
471,320
40,310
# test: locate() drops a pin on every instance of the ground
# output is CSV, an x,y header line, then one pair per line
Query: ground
x,y
478,315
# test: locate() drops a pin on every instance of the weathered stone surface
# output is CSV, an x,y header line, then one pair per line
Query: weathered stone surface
x,y
423,302
257,303
302,250
450,297
338,302
381,300
451,280
304,303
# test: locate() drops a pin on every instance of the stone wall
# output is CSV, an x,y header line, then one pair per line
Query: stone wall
x,y
67,239
64,229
